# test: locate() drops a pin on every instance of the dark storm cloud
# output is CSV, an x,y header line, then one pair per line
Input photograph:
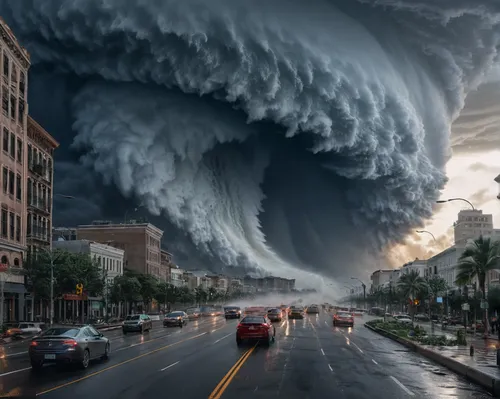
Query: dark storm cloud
x,y
267,133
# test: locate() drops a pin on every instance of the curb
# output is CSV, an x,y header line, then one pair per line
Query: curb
x,y
487,381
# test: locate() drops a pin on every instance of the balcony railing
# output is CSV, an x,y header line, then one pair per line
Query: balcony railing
x,y
37,232
39,203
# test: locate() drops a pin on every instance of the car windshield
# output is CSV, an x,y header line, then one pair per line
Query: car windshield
x,y
231,308
174,314
251,320
136,317
64,331
344,314
274,311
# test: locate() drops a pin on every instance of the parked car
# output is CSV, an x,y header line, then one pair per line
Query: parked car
x,y
68,345
25,328
137,322
403,319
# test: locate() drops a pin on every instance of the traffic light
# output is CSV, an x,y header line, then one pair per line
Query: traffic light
x,y
416,302
79,289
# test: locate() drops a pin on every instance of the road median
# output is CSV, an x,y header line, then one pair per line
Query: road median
x,y
488,380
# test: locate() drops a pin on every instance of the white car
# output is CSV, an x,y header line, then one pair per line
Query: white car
x,y
403,319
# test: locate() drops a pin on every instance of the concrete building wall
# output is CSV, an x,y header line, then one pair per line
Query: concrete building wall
x,y
141,243
14,65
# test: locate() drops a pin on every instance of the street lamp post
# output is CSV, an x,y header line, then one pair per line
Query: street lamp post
x,y
456,199
427,232
364,289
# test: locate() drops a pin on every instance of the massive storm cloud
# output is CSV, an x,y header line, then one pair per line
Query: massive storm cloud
x,y
276,135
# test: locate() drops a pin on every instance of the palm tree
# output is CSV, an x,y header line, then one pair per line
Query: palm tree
x,y
411,285
479,256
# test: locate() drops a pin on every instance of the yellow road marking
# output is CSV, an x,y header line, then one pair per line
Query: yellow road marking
x,y
226,380
122,363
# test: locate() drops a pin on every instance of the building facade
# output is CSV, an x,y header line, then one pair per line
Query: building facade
x,y
167,264
63,233
380,279
141,243
41,146
471,224
14,65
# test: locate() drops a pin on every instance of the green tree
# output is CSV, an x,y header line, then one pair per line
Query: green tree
x,y
479,256
149,288
200,295
125,289
212,294
411,286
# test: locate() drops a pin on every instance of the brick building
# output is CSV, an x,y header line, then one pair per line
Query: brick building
x,y
14,65
41,146
140,241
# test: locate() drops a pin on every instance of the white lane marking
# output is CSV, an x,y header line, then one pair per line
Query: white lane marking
x,y
326,323
172,365
402,386
225,336
12,354
330,367
15,371
374,361
359,349
322,351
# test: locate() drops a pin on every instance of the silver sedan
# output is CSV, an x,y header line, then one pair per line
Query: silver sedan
x,y
68,345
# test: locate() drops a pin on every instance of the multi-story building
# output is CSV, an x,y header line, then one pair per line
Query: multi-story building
x,y
41,146
140,241
380,278
167,264
177,277
63,233
14,65
417,265
471,224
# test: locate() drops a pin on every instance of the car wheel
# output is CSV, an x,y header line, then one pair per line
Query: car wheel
x,y
36,365
86,359
239,341
124,332
142,329
106,352
267,342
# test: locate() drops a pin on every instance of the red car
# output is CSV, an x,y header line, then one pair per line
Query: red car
x,y
255,328
343,319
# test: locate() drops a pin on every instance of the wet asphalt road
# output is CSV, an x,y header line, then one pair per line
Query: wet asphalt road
x,y
309,359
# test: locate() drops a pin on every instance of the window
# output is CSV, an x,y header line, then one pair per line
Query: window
x,y
5,100
17,263
22,84
11,225
28,227
30,192
5,65
30,155
19,151
50,170
11,182
18,228
4,260
5,142
20,115
5,177
18,187
13,106
12,151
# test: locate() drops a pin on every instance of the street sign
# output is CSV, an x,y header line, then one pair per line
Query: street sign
x,y
465,306
439,299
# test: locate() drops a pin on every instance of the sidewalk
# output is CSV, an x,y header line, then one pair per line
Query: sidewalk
x,y
480,368
452,330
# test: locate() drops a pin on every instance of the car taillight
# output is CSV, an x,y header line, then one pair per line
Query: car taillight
x,y
70,342
239,326
34,343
